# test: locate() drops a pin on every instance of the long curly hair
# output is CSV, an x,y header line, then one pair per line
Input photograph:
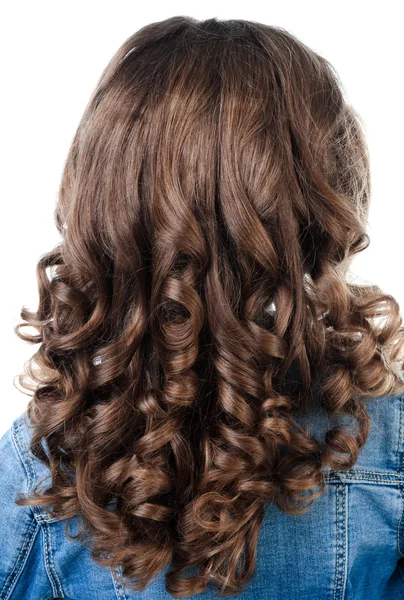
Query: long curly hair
x,y
214,195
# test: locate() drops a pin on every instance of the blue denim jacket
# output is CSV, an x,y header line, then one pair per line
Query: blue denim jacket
x,y
350,544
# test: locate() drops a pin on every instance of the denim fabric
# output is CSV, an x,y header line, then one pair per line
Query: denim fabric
x,y
349,545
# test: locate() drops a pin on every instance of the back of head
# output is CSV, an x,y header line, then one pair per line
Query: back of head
x,y
214,195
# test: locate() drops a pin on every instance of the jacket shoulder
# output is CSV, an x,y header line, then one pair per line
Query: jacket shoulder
x,y
19,465
37,560
20,539
13,475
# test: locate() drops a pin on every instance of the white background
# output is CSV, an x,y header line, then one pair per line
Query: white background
x,y
52,54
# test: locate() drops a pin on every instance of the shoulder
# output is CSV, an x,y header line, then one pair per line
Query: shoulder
x,y
18,526
12,464
22,566
20,470
37,559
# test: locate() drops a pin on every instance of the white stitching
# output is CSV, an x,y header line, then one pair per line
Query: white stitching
x,y
337,480
399,468
52,563
341,545
374,477
336,539
383,473
47,565
399,523
345,505
119,590
400,433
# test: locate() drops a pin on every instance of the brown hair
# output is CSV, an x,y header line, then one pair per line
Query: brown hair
x,y
214,195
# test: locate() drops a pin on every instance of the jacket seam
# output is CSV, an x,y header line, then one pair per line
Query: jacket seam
x,y
21,560
366,472
360,475
400,437
400,524
341,556
364,480
400,464
53,577
119,589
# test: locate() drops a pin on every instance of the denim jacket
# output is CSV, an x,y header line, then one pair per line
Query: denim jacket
x,y
350,544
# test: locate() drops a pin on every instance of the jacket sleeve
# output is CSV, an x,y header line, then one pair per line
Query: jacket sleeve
x,y
23,572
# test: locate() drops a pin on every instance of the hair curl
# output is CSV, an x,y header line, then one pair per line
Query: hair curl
x,y
214,195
